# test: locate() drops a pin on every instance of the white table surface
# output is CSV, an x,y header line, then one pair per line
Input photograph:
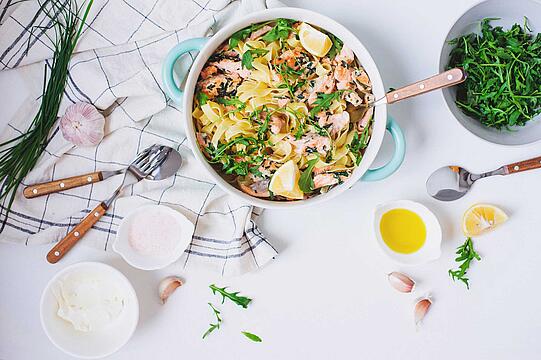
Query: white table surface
x,y
312,302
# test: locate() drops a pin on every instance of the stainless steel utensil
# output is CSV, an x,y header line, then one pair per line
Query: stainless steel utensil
x,y
453,182
155,163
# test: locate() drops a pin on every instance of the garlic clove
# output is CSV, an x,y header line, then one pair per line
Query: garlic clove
x,y
421,308
401,282
82,124
168,286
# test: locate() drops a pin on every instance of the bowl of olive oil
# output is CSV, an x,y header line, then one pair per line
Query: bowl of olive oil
x,y
408,232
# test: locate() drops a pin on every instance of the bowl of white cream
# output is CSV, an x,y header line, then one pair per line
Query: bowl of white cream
x,y
89,310
153,236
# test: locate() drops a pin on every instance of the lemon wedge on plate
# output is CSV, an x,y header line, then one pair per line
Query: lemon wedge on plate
x,y
481,218
285,181
314,41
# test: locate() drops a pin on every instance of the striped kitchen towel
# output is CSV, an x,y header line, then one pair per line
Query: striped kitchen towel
x,y
117,68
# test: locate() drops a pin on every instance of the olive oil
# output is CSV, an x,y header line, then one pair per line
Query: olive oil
x,y
403,231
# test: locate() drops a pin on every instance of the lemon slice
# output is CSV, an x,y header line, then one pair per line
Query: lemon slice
x,y
481,218
314,41
285,181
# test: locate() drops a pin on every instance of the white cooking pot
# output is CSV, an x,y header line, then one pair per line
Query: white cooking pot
x,y
207,46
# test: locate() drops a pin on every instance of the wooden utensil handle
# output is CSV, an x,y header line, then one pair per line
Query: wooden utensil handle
x,y
524,165
36,190
76,234
443,80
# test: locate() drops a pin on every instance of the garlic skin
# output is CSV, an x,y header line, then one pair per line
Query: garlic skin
x,y
82,124
167,287
421,308
401,282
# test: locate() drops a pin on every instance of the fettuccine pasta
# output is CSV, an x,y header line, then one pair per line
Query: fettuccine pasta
x,y
269,98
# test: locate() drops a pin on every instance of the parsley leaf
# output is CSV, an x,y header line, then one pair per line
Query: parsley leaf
x,y
306,182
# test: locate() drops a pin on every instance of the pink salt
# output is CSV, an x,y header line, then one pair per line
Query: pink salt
x,y
154,233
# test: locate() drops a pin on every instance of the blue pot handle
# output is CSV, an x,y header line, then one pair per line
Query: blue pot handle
x,y
171,89
398,156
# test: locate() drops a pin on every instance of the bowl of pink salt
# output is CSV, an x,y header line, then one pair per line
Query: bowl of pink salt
x,y
153,236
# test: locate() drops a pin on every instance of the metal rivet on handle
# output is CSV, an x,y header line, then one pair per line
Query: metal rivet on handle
x,y
35,191
516,167
89,179
395,96
57,253
422,86
62,185
76,233
96,214
449,77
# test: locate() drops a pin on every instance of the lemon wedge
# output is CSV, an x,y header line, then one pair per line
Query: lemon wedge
x,y
314,41
481,218
285,181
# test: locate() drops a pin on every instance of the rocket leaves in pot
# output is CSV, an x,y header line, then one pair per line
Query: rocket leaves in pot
x,y
503,88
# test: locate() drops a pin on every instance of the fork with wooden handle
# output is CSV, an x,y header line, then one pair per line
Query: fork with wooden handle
x,y
140,168
50,187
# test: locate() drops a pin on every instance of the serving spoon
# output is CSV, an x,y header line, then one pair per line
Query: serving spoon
x,y
155,163
445,79
450,183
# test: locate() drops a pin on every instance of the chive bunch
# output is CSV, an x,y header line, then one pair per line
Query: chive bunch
x,y
503,88
19,155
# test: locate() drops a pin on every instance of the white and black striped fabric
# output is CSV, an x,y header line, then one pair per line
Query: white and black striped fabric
x,y
117,68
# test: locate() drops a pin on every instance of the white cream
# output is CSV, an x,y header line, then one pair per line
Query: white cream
x,y
89,300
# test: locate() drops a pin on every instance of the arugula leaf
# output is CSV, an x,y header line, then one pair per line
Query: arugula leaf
x,y
242,301
466,253
251,336
336,47
234,101
324,101
279,31
262,131
249,55
306,182
504,72
217,324
358,144
202,98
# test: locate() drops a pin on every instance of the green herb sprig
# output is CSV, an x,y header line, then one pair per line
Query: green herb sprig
x,y
306,182
324,101
216,325
466,253
279,31
503,88
249,56
242,301
359,143
19,155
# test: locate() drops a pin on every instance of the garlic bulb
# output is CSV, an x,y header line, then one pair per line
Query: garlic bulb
x,y
167,287
401,282
421,308
82,124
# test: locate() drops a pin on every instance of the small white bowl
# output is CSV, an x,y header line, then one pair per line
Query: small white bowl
x,y
96,344
149,262
431,250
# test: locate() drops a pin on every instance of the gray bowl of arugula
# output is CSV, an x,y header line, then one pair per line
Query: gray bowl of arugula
x,y
498,43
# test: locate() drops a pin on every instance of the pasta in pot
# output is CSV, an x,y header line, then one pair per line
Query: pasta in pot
x,y
281,109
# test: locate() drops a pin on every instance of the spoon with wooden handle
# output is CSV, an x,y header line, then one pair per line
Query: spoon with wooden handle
x,y
50,187
453,182
445,79
160,162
